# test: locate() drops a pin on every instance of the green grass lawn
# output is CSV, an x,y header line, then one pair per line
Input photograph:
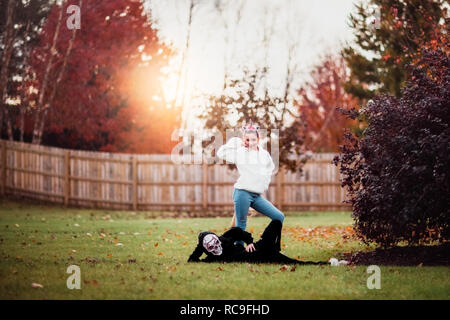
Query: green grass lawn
x,y
128,255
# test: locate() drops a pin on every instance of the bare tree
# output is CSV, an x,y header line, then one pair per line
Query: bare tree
x,y
295,27
222,8
269,26
19,33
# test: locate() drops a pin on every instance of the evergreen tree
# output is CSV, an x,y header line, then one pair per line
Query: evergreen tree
x,y
389,35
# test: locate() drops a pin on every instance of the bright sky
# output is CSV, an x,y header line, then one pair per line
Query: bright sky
x,y
220,39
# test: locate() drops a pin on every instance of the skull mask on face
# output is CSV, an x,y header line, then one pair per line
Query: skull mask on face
x,y
212,244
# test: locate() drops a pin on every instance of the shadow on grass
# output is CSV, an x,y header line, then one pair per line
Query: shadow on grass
x,y
433,255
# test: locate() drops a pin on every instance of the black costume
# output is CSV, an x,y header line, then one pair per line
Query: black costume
x,y
267,248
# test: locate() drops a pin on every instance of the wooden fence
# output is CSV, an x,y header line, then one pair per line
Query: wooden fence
x,y
154,182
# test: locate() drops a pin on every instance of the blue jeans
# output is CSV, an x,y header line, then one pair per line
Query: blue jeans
x,y
244,199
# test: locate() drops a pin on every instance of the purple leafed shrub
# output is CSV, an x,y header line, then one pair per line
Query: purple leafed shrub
x,y
398,173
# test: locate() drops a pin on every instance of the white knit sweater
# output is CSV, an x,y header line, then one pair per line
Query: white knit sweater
x,y
255,167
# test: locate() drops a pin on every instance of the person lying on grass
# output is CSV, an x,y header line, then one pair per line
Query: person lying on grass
x,y
223,248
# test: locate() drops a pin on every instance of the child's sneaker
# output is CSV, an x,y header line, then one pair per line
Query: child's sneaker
x,y
334,262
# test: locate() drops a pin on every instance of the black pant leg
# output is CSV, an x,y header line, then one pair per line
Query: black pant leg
x,y
271,237
268,248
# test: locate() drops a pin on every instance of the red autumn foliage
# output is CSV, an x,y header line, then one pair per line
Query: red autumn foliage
x,y
105,99
318,102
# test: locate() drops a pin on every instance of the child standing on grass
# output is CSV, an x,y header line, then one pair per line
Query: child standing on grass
x,y
255,167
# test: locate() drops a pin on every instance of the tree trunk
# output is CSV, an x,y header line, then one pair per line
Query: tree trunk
x,y
39,106
8,38
58,80
9,127
41,125
21,122
1,119
266,41
227,42
286,88
183,58
23,106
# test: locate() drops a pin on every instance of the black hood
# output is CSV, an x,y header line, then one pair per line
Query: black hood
x,y
201,235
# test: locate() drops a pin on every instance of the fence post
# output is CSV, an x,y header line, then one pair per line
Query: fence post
x,y
205,184
135,197
66,177
3,167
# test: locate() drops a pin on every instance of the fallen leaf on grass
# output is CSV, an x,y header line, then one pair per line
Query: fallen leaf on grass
x,y
37,285
94,282
91,260
171,268
160,254
284,268
131,260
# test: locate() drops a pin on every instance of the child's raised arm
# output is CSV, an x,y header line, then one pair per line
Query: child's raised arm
x,y
228,151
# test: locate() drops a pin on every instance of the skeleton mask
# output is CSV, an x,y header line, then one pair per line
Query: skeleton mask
x,y
212,244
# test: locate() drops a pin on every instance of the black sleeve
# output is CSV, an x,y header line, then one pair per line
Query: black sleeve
x,y
238,234
196,254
